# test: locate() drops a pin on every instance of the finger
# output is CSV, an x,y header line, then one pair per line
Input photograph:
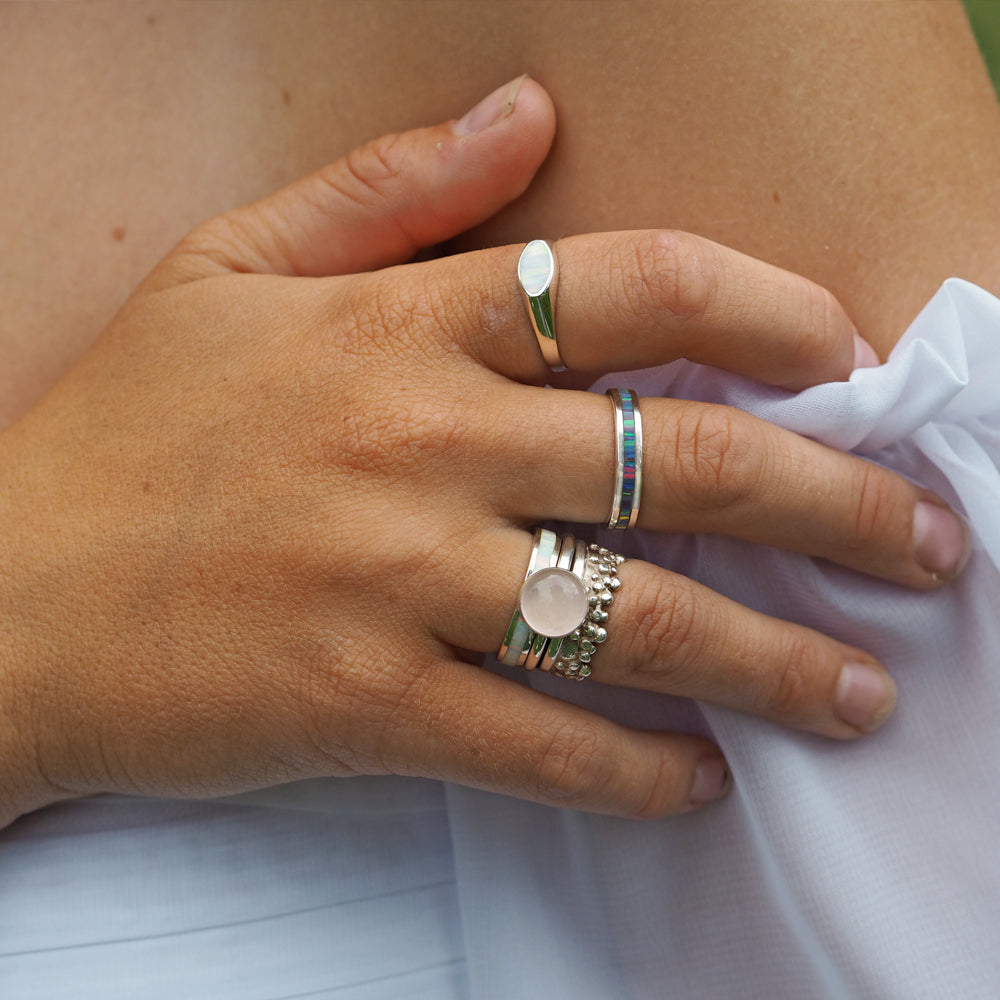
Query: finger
x,y
461,723
636,299
671,634
715,469
667,633
382,202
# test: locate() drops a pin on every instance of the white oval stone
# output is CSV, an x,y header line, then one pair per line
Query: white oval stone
x,y
536,267
553,602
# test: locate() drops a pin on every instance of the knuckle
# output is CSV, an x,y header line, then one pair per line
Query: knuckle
x,y
872,503
228,243
672,274
367,173
319,688
349,704
665,628
376,315
393,417
398,437
789,687
400,319
660,795
573,765
714,456
821,326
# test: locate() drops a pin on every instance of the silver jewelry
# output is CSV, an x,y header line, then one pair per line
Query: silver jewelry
x,y
628,459
535,609
544,552
576,650
578,567
563,606
538,275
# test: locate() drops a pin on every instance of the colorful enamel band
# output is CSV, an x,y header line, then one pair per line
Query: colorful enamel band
x,y
628,459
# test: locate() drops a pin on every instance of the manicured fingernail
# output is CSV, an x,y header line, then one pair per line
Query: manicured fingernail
x,y
864,354
711,780
865,696
490,110
940,540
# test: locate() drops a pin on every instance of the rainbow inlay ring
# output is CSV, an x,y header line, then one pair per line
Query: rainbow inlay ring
x,y
628,459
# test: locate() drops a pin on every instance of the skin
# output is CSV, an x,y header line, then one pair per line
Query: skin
x,y
216,691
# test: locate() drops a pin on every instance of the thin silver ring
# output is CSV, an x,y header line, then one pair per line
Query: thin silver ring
x,y
538,276
628,459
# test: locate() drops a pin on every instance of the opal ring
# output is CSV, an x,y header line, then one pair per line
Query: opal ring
x,y
628,459
538,275
563,605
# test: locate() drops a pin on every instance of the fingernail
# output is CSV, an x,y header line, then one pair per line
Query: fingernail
x,y
711,780
490,110
865,696
864,354
940,540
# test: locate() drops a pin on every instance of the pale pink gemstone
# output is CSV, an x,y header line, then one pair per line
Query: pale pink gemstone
x,y
554,601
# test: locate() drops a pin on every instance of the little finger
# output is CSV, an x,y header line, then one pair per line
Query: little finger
x,y
464,724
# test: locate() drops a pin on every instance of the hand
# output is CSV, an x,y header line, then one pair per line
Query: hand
x,y
246,539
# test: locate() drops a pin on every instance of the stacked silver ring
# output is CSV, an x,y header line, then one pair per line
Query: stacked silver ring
x,y
568,588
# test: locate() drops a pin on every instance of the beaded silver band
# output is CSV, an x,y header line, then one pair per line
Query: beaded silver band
x,y
538,275
577,649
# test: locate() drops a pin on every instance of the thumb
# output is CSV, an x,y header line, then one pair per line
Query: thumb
x,y
382,202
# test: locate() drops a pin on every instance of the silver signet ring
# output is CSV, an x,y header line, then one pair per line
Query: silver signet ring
x,y
538,275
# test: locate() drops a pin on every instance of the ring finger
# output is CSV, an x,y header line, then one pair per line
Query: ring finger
x,y
669,634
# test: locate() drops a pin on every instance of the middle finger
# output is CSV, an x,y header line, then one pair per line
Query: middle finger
x,y
715,469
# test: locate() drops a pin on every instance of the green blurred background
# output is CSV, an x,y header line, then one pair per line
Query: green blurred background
x,y
985,18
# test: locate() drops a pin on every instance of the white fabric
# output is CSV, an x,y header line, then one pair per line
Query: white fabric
x,y
832,871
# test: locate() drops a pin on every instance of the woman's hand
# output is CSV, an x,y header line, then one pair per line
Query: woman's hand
x,y
246,539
